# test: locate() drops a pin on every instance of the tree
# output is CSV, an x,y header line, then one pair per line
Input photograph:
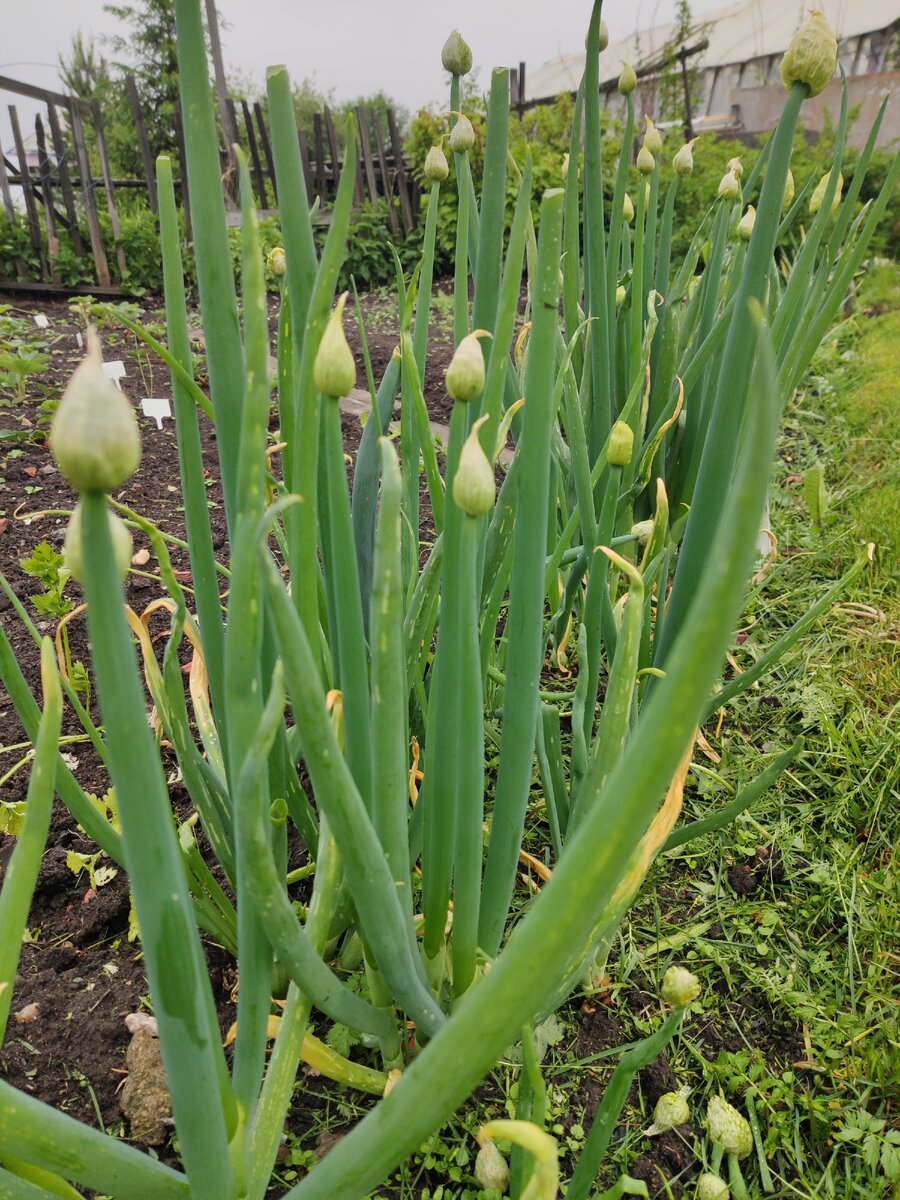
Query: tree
x,y
151,56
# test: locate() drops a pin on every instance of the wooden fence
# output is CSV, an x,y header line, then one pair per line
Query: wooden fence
x,y
61,193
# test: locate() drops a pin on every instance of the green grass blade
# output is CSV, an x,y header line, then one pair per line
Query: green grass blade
x,y
21,874
524,622
215,279
35,1132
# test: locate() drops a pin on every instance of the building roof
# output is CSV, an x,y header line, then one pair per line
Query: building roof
x,y
737,33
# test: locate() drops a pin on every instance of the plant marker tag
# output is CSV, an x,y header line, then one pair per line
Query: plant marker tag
x,y
79,339
156,409
41,320
116,371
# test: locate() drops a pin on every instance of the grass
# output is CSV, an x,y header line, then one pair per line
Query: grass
x,y
801,968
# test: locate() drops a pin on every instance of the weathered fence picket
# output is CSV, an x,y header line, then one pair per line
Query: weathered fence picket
x,y
66,158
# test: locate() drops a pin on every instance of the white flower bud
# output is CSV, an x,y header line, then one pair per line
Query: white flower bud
x,y
746,223
815,200
645,161
73,546
728,1128
491,1169
620,295
436,165
627,208
334,370
730,187
711,1187
456,57
627,79
473,483
652,136
671,1110
275,261
462,135
94,436
811,56
680,987
464,377
735,164
788,198
683,162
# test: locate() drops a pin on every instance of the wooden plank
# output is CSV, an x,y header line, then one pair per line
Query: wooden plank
x,y
403,188
34,225
47,196
266,147
8,206
255,161
318,124
65,181
386,181
143,141
101,266
42,94
333,147
110,188
366,145
182,172
9,209
308,176
231,183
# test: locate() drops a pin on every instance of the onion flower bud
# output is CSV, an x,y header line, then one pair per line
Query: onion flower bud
x,y
683,162
334,370
473,483
727,1128
94,436
680,987
276,262
645,160
491,1169
462,135
436,165
735,164
627,208
627,79
464,378
621,445
815,200
711,1187
620,294
456,57
604,36
746,223
788,198
652,137
730,187
811,56
73,544
671,1110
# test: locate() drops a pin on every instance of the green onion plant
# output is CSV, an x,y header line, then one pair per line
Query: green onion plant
x,y
348,674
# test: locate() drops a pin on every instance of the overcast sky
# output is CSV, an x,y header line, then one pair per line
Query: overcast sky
x,y
353,47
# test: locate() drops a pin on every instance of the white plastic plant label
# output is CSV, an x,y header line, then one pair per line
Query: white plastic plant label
x,y
116,371
156,408
41,320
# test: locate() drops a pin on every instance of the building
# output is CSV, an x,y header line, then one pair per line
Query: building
x,y
736,51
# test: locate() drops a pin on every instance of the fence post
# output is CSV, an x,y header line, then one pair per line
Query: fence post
x,y
143,140
47,190
110,194
65,179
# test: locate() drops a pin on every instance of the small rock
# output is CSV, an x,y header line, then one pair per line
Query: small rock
x,y
26,1015
145,1096
141,1020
